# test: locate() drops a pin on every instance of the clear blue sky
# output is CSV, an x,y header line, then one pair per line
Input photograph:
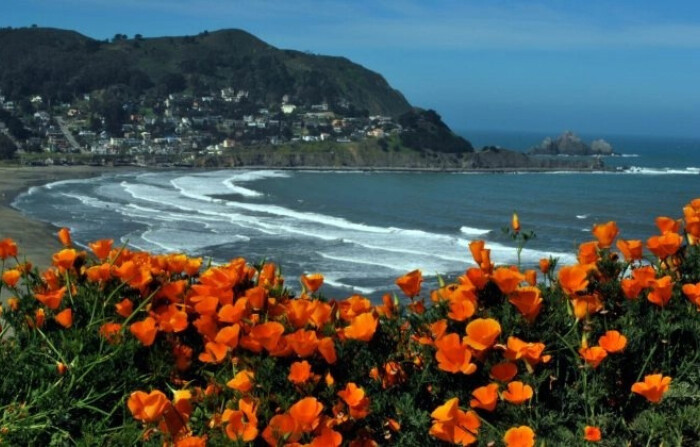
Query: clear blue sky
x,y
626,67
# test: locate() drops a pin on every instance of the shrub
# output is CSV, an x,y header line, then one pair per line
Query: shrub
x,y
119,347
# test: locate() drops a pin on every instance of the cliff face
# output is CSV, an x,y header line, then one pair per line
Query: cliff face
x,y
569,143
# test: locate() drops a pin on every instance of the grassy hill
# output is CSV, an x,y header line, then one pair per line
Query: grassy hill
x,y
61,65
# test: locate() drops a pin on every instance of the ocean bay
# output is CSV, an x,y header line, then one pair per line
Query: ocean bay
x,y
361,229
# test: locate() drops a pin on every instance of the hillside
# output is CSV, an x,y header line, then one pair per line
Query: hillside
x,y
62,65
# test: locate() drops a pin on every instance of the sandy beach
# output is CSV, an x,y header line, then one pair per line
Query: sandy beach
x,y
36,240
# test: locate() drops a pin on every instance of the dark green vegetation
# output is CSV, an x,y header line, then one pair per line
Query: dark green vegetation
x,y
62,65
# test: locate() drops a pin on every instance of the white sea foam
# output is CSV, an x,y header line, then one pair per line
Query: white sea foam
x,y
52,185
582,216
469,231
335,283
662,171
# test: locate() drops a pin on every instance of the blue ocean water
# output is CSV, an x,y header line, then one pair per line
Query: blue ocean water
x,y
362,230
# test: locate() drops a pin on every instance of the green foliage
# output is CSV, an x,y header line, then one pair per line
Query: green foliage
x,y
64,64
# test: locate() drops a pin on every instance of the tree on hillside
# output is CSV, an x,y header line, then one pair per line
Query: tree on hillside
x,y
7,147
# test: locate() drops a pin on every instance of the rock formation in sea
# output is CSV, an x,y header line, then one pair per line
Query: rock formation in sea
x,y
568,143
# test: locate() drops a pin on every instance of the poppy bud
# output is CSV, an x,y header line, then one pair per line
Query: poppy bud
x,y
61,368
515,223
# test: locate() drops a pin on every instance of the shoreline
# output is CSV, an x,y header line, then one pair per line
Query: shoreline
x,y
36,239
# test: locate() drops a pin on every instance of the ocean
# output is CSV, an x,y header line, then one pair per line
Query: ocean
x,y
362,230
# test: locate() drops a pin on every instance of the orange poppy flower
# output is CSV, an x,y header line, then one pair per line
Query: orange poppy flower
x,y
228,335
477,247
356,400
692,292
507,279
353,306
438,329
39,317
241,424
515,223
147,407
323,313
64,318
485,397
64,237
102,272
545,265
478,278
233,313
11,277
101,248
299,311
306,414
312,282
52,300
304,343
592,434
65,258
462,304
653,387
266,277
522,436
387,308
518,393
191,441
267,334
482,333
242,381
588,253
593,355
453,355
326,347
504,371
8,249
299,372
605,233
517,349
661,291
531,277
327,438
110,331
281,426
642,278
528,300
631,249
613,341
257,297
450,424
213,353
667,224
586,305
362,327
573,279
124,308
410,283
665,245
145,330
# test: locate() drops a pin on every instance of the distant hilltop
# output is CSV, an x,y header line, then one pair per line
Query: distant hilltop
x,y
568,143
